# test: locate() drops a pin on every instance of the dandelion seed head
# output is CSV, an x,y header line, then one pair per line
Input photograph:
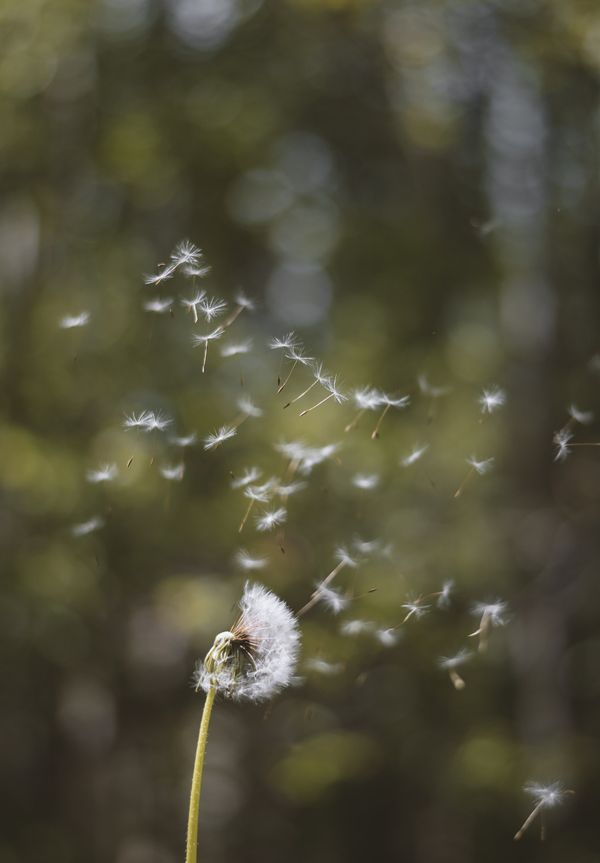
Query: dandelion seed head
x,y
247,407
546,795
367,399
258,657
414,455
244,302
245,560
259,494
191,303
416,608
186,253
387,637
562,440
250,475
104,473
273,518
460,657
481,467
211,307
202,338
165,273
332,599
390,401
494,612
233,350
288,342
342,555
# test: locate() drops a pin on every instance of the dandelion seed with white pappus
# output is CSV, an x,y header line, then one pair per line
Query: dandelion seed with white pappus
x,y
365,481
319,377
164,274
192,303
476,467
184,441
366,399
332,393
214,440
332,599
345,559
248,408
432,391
492,614
387,637
253,661
417,452
245,560
104,473
546,797
284,491
70,322
204,340
84,528
186,254
492,399
158,306
250,475
273,518
389,402
147,421
211,308
415,608
443,597
451,663
255,494
321,666
297,356
356,627
581,417
173,472
242,303
232,350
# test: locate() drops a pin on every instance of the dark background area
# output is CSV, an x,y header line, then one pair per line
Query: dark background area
x,y
413,189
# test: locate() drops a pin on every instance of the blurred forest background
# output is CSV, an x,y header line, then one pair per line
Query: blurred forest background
x,y
412,187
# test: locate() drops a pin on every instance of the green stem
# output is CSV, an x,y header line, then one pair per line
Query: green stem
x,y
192,831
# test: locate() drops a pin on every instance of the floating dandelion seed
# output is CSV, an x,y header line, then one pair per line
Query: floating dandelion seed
x,y
365,481
148,421
562,441
249,563
285,491
192,303
332,599
205,339
211,308
476,467
443,600
252,661
366,399
250,475
105,473
333,393
414,455
166,272
344,559
581,417
233,350
158,306
86,527
248,408
492,399
273,518
320,377
70,322
546,797
255,494
451,663
184,441
173,472
356,627
415,608
297,356
432,391
491,614
242,303
212,441
321,666
187,254
387,637
389,402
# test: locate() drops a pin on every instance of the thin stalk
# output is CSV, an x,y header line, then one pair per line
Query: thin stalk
x,y
302,394
192,830
287,377
318,404
317,593
233,317
459,490
246,515
205,355
355,421
375,432
527,822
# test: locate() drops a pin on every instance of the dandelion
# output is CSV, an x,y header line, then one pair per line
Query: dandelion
x,y
173,472
273,518
414,455
451,663
184,441
333,393
415,608
255,494
443,600
159,306
546,797
365,481
252,661
233,350
366,399
104,473
247,409
70,322
192,303
344,559
492,399
247,562
284,491
332,599
86,527
366,546
432,391
186,254
296,355
205,339
356,627
389,402
165,272
212,441
476,467
250,475
491,614
581,417
387,637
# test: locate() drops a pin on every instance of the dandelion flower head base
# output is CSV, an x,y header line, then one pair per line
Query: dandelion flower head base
x,y
257,657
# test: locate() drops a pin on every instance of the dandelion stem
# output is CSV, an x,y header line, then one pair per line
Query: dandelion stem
x,y
302,394
317,593
246,515
205,355
232,317
192,830
355,421
287,377
459,490
318,404
528,821
375,432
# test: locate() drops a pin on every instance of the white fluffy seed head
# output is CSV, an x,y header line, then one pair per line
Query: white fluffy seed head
x,y
257,658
